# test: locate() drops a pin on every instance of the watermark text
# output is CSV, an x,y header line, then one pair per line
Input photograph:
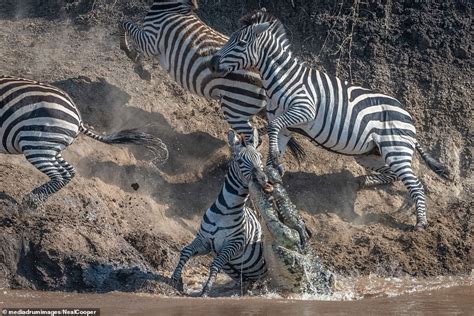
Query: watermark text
x,y
51,311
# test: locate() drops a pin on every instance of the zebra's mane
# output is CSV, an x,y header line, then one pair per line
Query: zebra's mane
x,y
262,16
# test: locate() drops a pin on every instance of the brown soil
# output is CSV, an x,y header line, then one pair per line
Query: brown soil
x,y
103,232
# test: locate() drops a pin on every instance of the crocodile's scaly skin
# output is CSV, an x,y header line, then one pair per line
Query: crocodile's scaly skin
x,y
286,209
289,268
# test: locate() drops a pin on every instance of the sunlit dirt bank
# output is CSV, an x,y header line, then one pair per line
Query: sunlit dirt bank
x,y
119,225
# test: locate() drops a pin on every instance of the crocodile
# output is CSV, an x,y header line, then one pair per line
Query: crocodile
x,y
290,268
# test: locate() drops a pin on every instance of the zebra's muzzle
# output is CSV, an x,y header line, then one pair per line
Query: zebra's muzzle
x,y
214,63
215,66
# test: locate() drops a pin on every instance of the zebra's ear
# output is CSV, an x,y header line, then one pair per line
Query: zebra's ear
x,y
261,27
233,138
194,4
255,140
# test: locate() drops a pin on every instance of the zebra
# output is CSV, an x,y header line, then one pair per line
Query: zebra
x,y
40,121
229,229
336,115
184,45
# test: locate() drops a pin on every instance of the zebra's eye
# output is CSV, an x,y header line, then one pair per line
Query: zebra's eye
x,y
242,42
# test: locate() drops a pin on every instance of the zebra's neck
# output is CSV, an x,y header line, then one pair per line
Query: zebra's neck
x,y
233,195
276,63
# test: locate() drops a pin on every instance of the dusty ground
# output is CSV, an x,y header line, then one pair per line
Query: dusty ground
x,y
99,233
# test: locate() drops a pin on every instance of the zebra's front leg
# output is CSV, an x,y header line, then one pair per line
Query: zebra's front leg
x,y
125,28
283,137
297,114
196,248
224,256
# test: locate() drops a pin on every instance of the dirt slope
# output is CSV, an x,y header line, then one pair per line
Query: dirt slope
x,y
99,233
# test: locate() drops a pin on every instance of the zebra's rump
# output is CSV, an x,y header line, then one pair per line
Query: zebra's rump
x,y
35,116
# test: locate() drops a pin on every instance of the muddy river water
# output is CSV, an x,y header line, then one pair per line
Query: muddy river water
x,y
363,296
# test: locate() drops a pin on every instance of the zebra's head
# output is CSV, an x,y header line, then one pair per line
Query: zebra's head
x,y
241,50
246,159
244,48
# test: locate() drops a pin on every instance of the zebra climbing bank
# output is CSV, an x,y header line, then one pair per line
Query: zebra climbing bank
x,y
334,114
39,121
229,229
184,45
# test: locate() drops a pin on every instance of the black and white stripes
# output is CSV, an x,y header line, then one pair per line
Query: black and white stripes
x,y
184,45
229,229
336,115
40,121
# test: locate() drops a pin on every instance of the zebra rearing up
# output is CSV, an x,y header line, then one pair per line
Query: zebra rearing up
x,y
229,229
334,114
39,121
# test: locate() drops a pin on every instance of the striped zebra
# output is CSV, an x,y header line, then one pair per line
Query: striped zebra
x,y
184,45
334,114
229,229
39,121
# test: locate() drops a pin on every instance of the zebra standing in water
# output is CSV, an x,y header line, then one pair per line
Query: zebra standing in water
x,y
336,115
229,229
185,45
40,121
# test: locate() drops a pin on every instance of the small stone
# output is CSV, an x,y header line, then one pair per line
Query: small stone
x,y
135,186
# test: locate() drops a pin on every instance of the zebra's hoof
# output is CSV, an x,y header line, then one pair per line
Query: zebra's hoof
x,y
142,72
30,203
420,227
361,182
177,284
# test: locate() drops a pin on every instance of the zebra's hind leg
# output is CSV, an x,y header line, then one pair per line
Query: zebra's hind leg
x,y
223,257
196,248
71,171
57,172
383,173
400,164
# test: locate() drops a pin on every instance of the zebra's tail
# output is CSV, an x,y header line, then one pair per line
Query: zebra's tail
x,y
296,150
132,136
434,165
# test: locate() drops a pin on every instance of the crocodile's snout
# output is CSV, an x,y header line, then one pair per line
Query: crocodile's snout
x,y
273,175
262,179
